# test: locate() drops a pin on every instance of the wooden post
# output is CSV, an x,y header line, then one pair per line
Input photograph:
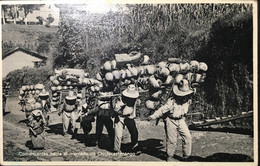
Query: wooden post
x,y
3,15
15,13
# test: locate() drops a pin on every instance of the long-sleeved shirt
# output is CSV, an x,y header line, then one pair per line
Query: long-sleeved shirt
x,y
127,111
172,109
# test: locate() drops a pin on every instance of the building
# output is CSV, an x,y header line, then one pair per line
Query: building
x,y
44,12
19,58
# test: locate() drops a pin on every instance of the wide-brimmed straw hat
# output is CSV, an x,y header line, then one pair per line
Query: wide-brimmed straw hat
x,y
131,92
44,93
71,96
37,105
37,112
182,89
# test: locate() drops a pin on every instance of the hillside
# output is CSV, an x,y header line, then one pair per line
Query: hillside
x,y
21,33
28,37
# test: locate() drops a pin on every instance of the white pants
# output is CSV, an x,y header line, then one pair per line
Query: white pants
x,y
172,128
67,118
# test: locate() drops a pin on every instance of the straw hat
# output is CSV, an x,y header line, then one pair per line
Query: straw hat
x,y
44,93
53,88
37,112
55,94
131,92
182,89
37,105
71,96
79,96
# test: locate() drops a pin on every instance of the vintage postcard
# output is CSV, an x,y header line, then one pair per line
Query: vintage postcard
x,y
129,82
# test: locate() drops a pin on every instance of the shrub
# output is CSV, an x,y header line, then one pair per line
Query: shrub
x,y
28,76
43,48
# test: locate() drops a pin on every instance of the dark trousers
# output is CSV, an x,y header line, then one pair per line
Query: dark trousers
x,y
131,126
119,127
108,123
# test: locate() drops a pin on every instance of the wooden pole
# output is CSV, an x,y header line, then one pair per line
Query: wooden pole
x,y
245,115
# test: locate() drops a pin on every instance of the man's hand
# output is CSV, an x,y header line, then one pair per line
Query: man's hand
x,y
189,101
138,102
120,112
149,118
84,114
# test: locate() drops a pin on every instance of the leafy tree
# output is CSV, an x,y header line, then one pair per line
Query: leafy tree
x,y
10,11
43,48
29,8
228,85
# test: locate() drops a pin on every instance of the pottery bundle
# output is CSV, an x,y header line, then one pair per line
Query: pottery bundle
x,y
125,69
167,73
70,79
34,90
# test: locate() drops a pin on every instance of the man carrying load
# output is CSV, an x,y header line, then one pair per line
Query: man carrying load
x,y
126,112
175,110
44,99
86,118
69,114
104,117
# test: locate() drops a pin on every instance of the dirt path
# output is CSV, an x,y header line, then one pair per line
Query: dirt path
x,y
207,145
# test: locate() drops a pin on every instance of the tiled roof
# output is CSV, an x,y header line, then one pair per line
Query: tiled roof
x,y
25,51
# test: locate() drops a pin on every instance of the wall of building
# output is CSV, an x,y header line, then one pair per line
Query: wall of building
x,y
17,60
44,13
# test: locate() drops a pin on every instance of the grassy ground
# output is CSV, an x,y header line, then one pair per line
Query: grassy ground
x,y
21,33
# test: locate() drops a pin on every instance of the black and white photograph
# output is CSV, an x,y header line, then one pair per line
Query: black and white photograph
x,y
129,82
